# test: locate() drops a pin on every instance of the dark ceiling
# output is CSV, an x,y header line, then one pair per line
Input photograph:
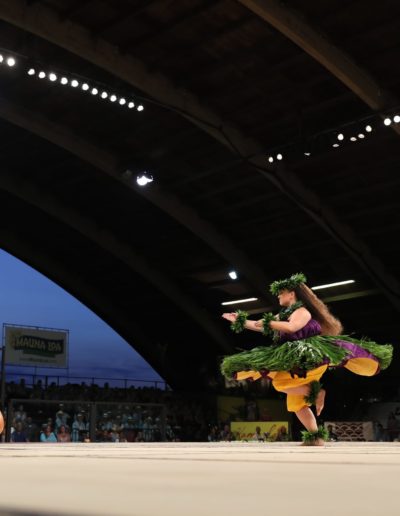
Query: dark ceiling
x,y
224,84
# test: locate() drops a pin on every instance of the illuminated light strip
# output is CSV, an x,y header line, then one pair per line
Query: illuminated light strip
x,y
329,285
240,301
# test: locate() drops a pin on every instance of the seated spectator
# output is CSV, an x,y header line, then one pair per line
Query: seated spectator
x,y
258,436
332,435
19,435
63,436
282,434
47,435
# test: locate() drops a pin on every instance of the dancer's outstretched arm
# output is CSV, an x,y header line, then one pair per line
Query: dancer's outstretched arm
x,y
249,325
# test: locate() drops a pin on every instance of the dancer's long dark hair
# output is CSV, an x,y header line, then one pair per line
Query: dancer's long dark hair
x,y
319,311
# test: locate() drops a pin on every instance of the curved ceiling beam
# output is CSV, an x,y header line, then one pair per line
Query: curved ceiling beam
x,y
83,225
45,22
87,293
169,203
292,25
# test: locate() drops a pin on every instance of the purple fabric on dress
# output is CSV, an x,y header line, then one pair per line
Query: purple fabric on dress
x,y
355,350
311,329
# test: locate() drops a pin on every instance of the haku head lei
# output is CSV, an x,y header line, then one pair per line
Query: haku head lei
x,y
287,284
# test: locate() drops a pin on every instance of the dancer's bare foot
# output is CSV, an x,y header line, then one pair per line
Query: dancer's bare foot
x,y
320,401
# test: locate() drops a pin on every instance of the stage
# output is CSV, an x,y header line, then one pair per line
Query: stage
x,y
193,479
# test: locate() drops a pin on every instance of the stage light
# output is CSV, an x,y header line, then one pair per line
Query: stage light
x,y
144,179
31,71
335,145
1,58
113,98
308,154
74,83
41,75
233,275
52,77
396,119
353,139
387,121
361,136
85,86
340,136
131,105
368,128
11,61
122,101
237,301
140,108
94,91
329,285
64,80
104,95
279,157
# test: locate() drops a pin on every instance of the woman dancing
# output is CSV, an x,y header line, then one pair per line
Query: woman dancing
x,y
306,341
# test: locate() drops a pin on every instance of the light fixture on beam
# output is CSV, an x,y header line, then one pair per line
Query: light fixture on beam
x,y
233,275
144,179
330,285
238,301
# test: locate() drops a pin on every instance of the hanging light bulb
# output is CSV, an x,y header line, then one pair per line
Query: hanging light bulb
x,y
122,101
11,61
233,275
279,157
41,75
144,179
340,136
1,58
131,104
368,128
104,95
396,119
52,77
271,159
140,108
64,80
85,86
387,121
31,71
94,91
74,83
113,98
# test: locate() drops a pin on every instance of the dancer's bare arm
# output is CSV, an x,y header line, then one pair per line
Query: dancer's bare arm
x,y
249,325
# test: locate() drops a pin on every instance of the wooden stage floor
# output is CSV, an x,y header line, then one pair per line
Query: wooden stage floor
x,y
198,479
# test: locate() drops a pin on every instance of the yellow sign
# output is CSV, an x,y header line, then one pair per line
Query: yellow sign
x,y
260,430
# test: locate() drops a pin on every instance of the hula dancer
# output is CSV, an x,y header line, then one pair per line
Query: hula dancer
x,y
306,341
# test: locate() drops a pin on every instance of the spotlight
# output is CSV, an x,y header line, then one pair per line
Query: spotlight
x,y
233,275
94,91
85,86
308,154
74,83
113,98
42,75
144,179
396,119
387,121
131,105
353,139
368,128
104,95
271,159
140,108
122,101
52,77
340,136
11,61
361,136
64,80
1,58
31,71
279,157
335,145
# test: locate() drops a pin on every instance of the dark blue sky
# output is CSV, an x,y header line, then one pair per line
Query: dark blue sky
x,y
29,298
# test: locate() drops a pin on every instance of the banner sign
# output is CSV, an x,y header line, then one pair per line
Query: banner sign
x,y
260,430
36,347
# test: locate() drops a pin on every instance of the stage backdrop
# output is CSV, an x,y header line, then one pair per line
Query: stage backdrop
x,y
31,346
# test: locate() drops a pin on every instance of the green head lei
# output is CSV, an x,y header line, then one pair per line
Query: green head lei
x,y
287,284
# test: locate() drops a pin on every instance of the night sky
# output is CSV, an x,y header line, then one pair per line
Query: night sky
x,y
29,298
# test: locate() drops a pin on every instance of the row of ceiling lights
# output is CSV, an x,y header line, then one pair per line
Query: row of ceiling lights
x,y
233,275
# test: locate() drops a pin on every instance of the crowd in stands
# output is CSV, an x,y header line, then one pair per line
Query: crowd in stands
x,y
122,415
